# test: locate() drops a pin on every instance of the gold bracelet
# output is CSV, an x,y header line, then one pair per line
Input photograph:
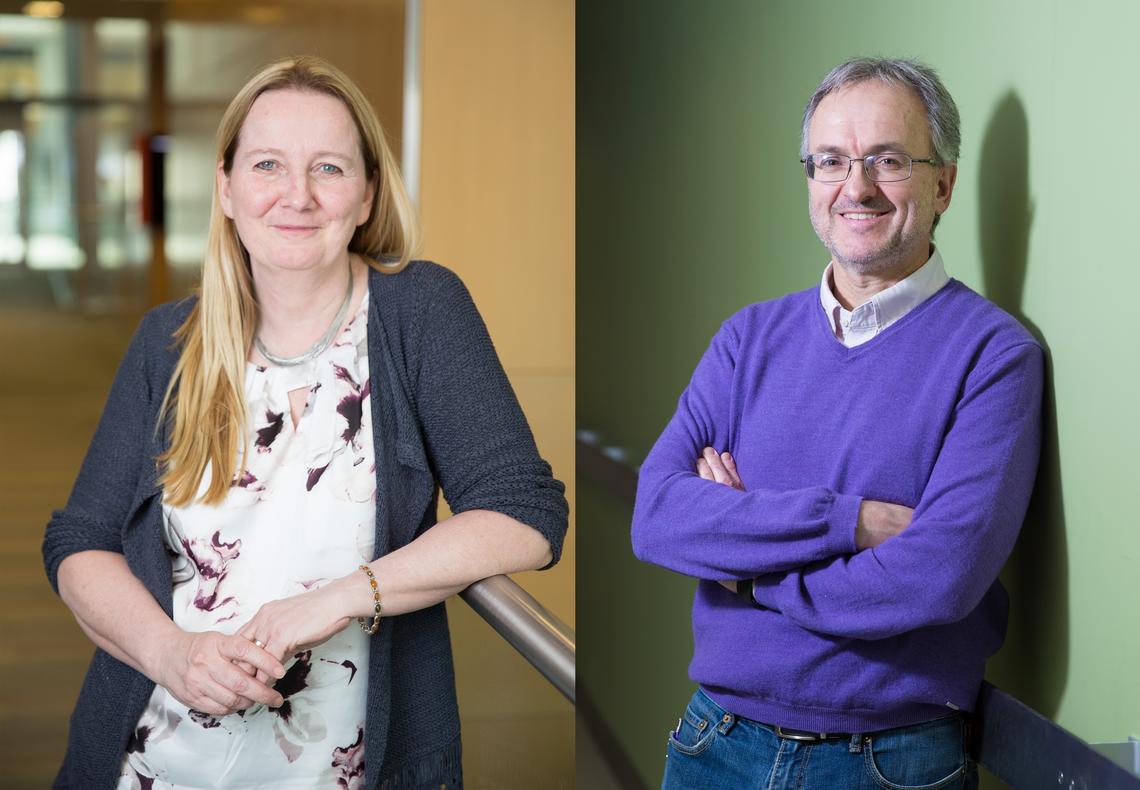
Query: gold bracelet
x,y
371,629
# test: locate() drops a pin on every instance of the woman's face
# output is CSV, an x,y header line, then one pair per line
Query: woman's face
x,y
297,189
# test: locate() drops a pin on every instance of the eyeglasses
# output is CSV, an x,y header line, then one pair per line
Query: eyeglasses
x,y
834,168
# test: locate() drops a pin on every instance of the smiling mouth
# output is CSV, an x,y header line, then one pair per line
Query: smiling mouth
x,y
861,215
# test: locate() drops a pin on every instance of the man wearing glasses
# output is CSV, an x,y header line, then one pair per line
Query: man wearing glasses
x,y
846,473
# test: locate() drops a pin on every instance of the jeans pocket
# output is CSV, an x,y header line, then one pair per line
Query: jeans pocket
x,y
696,728
927,756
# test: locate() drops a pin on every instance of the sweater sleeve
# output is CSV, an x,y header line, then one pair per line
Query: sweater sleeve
x,y
708,530
479,441
109,475
962,531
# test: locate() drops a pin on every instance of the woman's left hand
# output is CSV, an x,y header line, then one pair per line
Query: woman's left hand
x,y
289,625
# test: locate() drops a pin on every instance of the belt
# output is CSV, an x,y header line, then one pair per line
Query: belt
x,y
817,737
810,737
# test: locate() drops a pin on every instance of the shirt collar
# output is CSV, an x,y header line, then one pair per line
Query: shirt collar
x,y
887,306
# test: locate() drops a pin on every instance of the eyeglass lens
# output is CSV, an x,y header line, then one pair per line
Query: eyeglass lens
x,y
831,168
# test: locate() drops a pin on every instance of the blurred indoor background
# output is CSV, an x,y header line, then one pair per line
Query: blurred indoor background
x,y
107,117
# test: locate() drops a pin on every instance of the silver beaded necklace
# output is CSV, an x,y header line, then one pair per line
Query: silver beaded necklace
x,y
322,342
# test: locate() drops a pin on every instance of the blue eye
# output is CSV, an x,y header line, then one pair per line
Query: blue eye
x,y
329,170
265,166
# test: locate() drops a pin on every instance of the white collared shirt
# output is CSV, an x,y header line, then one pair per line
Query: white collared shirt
x,y
855,327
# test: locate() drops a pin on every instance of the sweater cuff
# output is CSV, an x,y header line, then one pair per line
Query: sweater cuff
x,y
843,520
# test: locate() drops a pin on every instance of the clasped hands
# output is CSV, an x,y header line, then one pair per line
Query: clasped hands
x,y
219,674
877,522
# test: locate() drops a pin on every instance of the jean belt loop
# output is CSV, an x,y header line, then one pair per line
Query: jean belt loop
x,y
855,745
725,724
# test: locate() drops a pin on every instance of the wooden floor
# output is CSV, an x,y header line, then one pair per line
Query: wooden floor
x,y
55,370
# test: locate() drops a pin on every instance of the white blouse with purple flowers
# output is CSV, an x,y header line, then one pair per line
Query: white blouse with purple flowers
x,y
301,515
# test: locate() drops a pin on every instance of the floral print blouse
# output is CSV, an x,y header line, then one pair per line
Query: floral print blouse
x,y
301,515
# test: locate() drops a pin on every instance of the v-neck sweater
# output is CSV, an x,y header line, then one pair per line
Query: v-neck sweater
x,y
940,412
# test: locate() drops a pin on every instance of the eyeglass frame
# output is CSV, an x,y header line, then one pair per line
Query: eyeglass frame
x,y
865,160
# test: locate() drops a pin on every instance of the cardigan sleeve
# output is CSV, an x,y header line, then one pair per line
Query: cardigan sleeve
x,y
710,531
109,476
963,528
477,437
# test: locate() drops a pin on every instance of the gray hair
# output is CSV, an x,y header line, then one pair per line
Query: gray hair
x,y
941,112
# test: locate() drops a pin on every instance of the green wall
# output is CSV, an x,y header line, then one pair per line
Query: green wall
x,y
691,204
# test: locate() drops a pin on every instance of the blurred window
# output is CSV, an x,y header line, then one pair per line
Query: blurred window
x,y
11,170
76,121
72,114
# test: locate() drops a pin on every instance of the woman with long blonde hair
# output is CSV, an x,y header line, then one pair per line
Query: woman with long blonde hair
x,y
252,542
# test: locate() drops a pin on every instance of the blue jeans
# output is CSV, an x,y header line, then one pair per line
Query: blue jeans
x,y
713,748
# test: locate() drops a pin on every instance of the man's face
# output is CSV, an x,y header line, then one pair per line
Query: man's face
x,y
869,228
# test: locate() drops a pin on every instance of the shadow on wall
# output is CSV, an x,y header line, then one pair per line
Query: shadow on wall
x,y
1034,663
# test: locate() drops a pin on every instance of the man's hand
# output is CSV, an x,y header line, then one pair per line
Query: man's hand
x,y
720,468
879,521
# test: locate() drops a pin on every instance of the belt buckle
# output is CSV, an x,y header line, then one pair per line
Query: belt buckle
x,y
800,735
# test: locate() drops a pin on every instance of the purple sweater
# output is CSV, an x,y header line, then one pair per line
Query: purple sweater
x,y
941,412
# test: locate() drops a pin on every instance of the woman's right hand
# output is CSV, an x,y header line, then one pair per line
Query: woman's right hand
x,y
217,673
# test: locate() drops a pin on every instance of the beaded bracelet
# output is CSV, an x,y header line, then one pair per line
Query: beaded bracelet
x,y
371,629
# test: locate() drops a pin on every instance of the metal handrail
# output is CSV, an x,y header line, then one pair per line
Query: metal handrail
x,y
529,627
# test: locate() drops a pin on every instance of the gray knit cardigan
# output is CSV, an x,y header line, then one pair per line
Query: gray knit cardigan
x,y
444,416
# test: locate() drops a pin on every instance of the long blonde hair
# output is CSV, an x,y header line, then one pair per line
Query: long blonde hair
x,y
204,403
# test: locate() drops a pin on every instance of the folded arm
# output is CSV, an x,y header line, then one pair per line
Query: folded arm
x,y
877,521
963,529
699,528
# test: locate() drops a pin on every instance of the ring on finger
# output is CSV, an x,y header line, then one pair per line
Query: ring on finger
x,y
258,642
